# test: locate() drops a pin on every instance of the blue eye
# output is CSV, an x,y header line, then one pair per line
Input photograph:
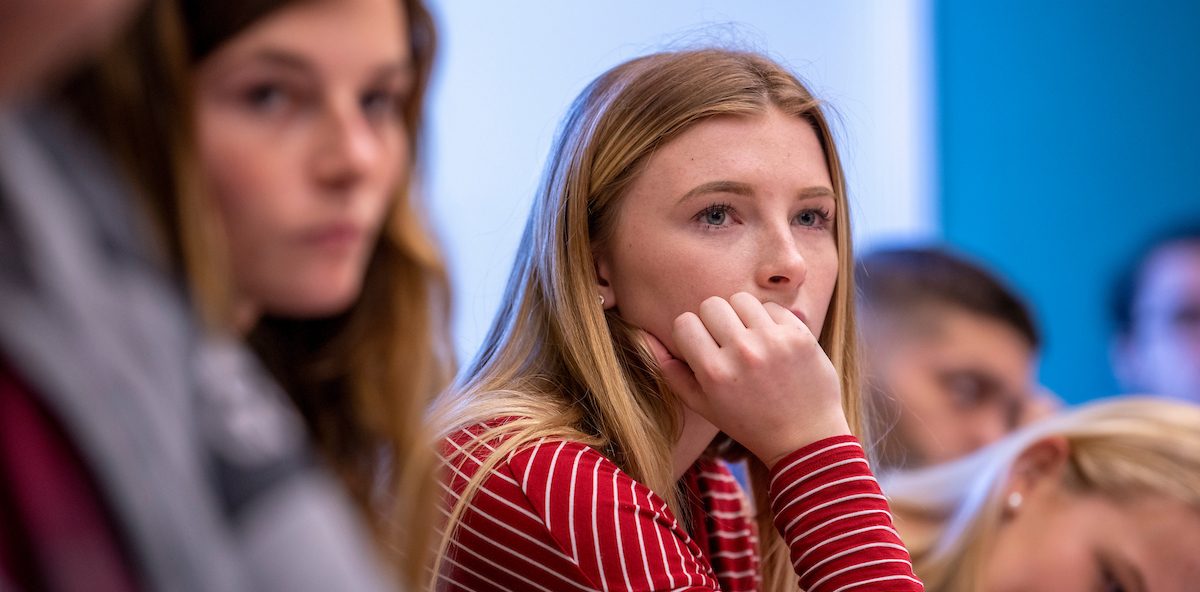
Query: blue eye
x,y
715,215
812,218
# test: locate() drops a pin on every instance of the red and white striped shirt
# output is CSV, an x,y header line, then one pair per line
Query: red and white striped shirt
x,y
558,515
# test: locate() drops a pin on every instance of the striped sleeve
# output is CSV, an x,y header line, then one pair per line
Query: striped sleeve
x,y
836,521
621,534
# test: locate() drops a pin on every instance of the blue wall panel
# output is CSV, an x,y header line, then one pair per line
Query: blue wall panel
x,y
1069,133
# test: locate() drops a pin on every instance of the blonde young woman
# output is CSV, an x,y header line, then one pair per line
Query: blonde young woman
x,y
293,127
1102,498
685,273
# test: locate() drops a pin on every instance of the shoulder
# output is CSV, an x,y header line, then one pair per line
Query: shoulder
x,y
547,471
539,464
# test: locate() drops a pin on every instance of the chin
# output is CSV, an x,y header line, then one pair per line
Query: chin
x,y
313,304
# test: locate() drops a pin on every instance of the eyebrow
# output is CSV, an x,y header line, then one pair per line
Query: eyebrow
x,y
744,189
281,57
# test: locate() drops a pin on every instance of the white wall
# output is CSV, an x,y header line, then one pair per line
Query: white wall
x,y
508,70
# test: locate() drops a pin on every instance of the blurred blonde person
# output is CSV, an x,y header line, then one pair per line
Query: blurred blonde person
x,y
1104,497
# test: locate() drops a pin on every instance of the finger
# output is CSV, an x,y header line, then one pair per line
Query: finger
x,y
720,320
661,354
693,340
678,375
751,311
783,316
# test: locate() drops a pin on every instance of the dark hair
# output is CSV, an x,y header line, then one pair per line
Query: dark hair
x,y
903,278
1128,284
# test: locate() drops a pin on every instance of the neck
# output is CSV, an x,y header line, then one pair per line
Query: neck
x,y
696,434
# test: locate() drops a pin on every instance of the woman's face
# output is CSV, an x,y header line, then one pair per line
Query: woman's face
x,y
1061,541
734,204
303,144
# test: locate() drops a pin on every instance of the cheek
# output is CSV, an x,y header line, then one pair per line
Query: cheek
x,y
391,174
259,194
927,417
820,282
1038,554
657,277
251,181
397,158
915,386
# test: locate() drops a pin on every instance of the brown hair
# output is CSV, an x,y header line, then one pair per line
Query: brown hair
x,y
361,379
568,369
901,279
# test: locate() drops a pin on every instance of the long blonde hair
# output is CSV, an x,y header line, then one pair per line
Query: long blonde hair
x,y
362,379
1118,448
553,358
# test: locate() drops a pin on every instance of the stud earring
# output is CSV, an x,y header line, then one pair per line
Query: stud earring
x,y
602,300
1014,500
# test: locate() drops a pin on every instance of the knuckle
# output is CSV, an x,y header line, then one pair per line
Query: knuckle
x,y
684,320
750,353
784,340
711,303
804,338
744,298
715,372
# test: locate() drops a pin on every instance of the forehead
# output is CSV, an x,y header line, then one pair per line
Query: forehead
x,y
952,326
1172,272
765,146
336,31
957,336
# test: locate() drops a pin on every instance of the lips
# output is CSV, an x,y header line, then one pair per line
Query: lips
x,y
337,236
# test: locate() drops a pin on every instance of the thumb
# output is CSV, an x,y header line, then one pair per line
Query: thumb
x,y
676,372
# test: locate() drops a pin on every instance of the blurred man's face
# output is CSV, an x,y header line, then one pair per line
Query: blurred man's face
x,y
959,380
39,37
1162,353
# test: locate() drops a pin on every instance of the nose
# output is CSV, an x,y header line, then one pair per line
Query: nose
x,y
781,262
347,147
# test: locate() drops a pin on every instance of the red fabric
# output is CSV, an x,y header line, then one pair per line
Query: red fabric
x,y
55,533
836,522
560,516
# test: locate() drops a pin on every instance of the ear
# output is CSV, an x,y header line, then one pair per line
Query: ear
x,y
603,273
1038,467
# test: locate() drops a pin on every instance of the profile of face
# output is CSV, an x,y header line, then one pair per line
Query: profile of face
x,y
1162,354
304,146
1055,539
733,204
960,380
37,38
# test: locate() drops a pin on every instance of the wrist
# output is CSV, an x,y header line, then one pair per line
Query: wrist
x,y
812,433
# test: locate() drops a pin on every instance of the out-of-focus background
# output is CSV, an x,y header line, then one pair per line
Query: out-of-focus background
x,y
1048,140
